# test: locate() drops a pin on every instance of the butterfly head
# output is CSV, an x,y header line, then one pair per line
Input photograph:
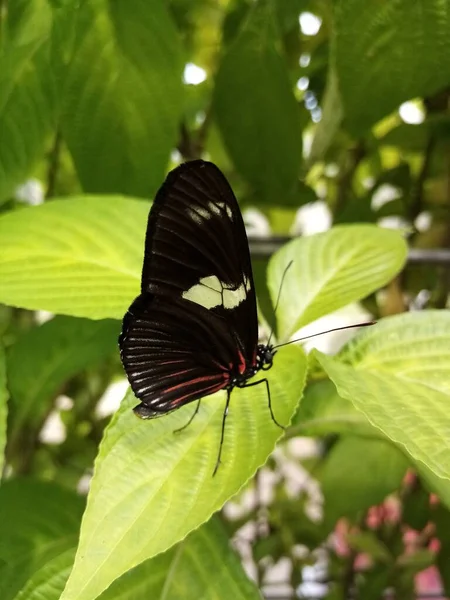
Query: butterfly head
x,y
264,357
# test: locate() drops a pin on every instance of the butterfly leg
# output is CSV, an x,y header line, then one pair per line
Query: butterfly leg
x,y
268,396
222,434
191,418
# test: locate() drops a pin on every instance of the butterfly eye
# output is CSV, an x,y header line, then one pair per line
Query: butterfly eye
x,y
268,358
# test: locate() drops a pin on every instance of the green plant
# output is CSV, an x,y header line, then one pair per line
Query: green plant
x,y
92,104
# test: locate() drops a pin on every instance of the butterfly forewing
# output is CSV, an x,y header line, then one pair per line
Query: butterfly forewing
x,y
195,322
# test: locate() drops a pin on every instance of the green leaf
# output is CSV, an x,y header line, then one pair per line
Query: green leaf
x,y
3,406
48,581
397,374
151,487
44,358
322,411
80,257
359,473
27,94
120,119
367,542
417,561
443,563
375,582
256,110
328,126
39,522
378,64
437,485
331,270
184,572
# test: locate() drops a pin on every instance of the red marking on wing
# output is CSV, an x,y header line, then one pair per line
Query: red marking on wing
x,y
173,362
242,364
206,391
197,380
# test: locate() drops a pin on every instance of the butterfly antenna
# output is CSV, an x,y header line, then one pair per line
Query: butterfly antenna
x,y
279,295
307,337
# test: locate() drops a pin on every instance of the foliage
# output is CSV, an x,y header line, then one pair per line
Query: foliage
x,y
94,109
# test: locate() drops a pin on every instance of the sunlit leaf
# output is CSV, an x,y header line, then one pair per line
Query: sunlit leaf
x,y
330,270
151,487
396,373
184,572
80,257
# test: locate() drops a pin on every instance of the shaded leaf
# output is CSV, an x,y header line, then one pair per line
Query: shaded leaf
x,y
3,406
322,411
256,110
123,95
39,522
45,357
375,51
367,542
328,126
28,103
359,473
49,580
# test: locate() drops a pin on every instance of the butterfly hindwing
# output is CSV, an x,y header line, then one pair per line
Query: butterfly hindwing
x,y
174,353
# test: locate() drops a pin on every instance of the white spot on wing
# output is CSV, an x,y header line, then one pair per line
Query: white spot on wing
x,y
200,213
211,292
232,298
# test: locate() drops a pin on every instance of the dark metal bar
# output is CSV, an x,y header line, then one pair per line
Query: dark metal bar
x,y
265,247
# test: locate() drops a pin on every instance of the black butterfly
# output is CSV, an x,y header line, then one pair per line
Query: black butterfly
x,y
193,330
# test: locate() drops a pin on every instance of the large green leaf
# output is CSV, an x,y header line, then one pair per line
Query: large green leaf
x,y
45,357
388,52
39,521
181,573
397,374
3,406
256,110
331,270
79,257
151,487
27,93
203,566
123,95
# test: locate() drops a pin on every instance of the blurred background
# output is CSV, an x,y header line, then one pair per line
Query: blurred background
x,y
319,112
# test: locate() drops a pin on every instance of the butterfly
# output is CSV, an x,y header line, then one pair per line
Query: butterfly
x,y
193,330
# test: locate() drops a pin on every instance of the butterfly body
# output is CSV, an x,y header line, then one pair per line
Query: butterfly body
x,y
193,330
